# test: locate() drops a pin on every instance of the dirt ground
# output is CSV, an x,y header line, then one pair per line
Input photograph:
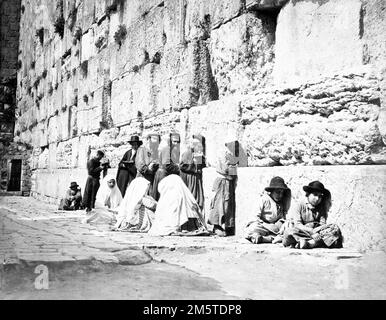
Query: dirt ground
x,y
82,263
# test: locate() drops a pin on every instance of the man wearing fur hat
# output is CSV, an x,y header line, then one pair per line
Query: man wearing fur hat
x,y
265,224
309,218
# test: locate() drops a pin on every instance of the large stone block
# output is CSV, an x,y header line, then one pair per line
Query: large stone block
x,y
132,95
315,38
329,122
242,53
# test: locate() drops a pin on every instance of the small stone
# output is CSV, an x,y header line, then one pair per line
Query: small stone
x,y
133,257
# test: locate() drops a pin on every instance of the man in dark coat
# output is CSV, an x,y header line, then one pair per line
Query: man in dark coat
x,y
126,168
94,169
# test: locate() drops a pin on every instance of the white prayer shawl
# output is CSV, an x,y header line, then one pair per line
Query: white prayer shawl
x,y
107,195
133,198
107,200
175,206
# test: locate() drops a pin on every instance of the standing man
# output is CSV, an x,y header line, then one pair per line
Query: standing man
x,y
94,169
146,160
126,168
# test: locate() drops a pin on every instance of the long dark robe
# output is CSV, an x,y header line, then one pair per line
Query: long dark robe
x,y
92,183
191,174
126,172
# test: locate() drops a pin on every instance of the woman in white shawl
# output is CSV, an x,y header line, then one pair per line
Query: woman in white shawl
x,y
133,215
174,208
107,201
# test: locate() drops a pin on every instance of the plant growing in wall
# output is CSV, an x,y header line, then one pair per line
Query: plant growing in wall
x,y
113,7
40,35
59,20
100,42
66,54
50,89
72,17
36,82
77,35
59,26
120,34
84,68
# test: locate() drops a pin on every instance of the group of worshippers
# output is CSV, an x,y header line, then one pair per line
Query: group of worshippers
x,y
160,192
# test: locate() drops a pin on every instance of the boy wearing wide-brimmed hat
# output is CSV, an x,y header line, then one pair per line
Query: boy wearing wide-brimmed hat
x,y
126,167
265,224
309,218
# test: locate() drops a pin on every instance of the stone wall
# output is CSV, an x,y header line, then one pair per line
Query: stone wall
x,y
299,83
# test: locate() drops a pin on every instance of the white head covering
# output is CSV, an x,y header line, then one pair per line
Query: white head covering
x,y
134,194
109,195
175,206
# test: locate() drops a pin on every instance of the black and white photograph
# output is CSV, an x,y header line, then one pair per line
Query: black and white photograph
x,y
218,151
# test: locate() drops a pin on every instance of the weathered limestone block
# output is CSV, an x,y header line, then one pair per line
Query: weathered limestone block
x,y
203,15
53,130
88,7
89,115
43,159
135,127
143,44
162,123
316,38
216,121
135,10
242,53
329,122
132,94
100,9
64,155
87,45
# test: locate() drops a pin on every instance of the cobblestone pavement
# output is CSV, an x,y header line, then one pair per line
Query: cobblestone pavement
x,y
33,232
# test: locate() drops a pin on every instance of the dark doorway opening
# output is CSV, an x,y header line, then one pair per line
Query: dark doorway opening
x,y
15,177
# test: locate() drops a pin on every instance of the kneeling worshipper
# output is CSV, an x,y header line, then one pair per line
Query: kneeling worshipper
x,y
107,201
176,206
309,218
136,212
265,224
73,198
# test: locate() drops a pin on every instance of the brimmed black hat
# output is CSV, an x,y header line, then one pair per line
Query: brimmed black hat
x,y
74,185
135,139
276,183
316,186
